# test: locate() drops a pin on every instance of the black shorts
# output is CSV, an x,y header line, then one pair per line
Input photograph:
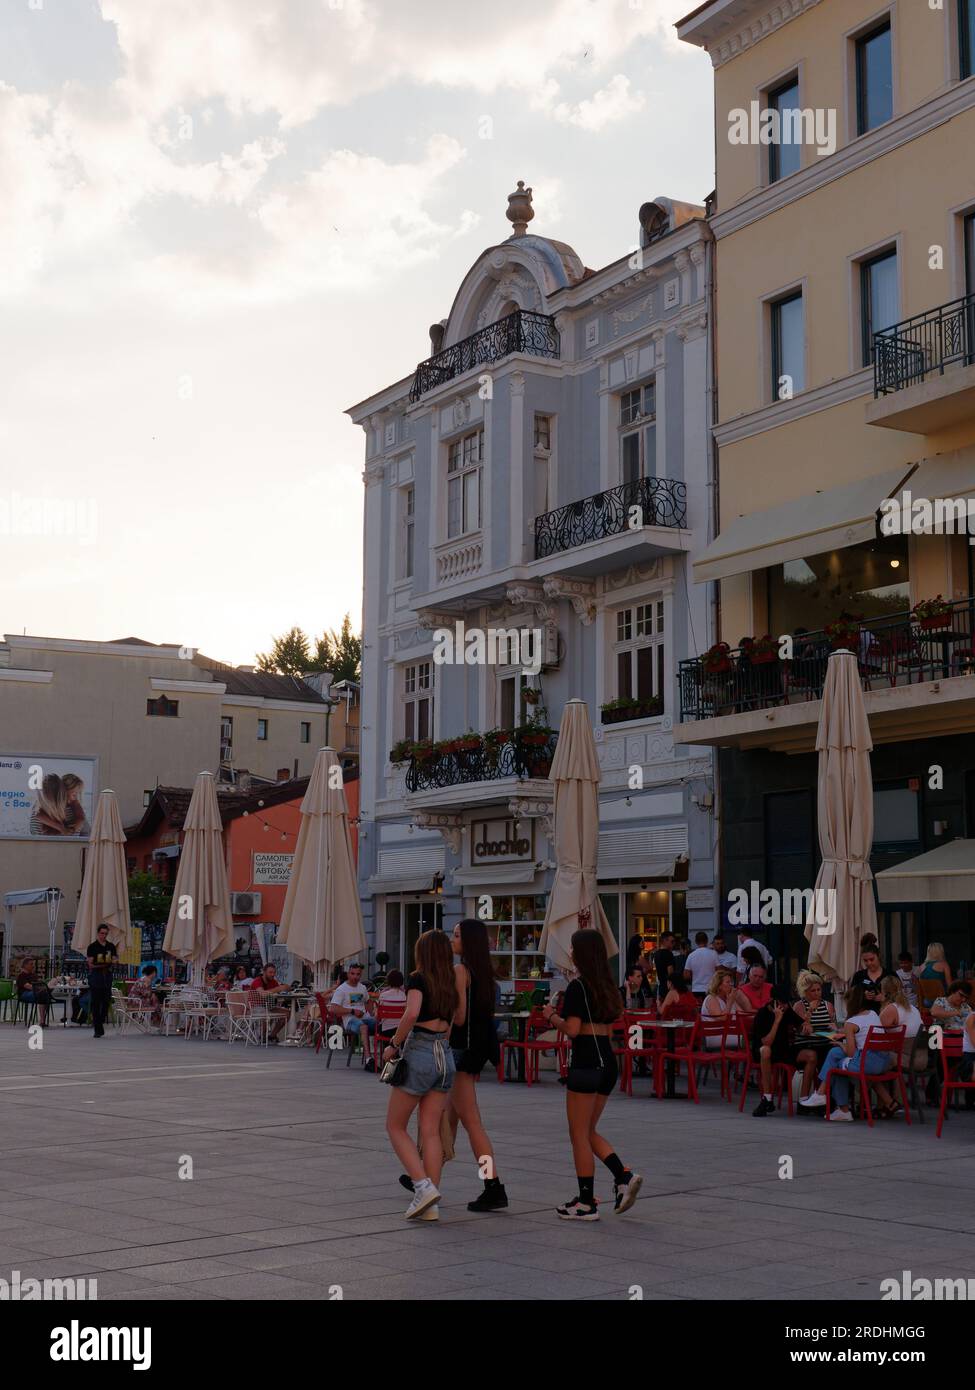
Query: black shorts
x,y
593,1068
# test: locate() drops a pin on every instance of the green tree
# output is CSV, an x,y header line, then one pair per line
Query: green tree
x,y
340,653
289,655
149,899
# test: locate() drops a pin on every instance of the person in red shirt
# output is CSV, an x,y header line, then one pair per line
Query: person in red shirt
x,y
756,991
679,1002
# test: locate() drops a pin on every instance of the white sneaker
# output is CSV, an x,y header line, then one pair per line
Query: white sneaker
x,y
431,1214
426,1197
814,1102
625,1194
840,1115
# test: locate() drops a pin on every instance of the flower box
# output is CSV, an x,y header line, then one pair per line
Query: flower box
x,y
619,712
935,622
717,660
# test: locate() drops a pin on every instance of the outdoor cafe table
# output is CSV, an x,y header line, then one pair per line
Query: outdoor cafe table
x,y
659,1028
60,994
294,997
520,1021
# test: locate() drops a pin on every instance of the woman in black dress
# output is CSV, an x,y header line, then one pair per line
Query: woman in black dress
x,y
475,1045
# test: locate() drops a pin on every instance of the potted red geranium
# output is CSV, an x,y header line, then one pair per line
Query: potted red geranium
x,y
759,651
932,614
844,632
717,660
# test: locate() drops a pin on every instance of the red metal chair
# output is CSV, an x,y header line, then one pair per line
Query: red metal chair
x,y
878,1040
533,1048
735,1051
385,1013
782,1074
715,1056
634,1047
952,1050
681,1053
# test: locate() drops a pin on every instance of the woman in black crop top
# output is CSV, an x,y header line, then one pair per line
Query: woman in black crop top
x,y
475,1044
591,1006
422,1040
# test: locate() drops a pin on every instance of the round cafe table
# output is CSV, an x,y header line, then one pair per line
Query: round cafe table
x,y
294,997
60,994
663,1035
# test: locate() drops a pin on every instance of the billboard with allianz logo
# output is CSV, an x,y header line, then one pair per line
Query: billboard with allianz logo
x,y
46,796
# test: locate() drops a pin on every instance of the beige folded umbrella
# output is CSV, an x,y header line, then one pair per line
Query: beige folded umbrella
x,y
200,925
322,919
574,900
105,888
845,825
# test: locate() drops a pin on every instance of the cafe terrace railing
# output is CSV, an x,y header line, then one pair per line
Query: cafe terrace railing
x,y
894,650
522,331
658,502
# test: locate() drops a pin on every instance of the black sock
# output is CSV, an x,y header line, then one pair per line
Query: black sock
x,y
615,1166
587,1193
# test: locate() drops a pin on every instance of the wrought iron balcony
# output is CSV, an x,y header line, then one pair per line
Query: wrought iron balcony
x,y
487,763
894,650
661,502
522,331
911,351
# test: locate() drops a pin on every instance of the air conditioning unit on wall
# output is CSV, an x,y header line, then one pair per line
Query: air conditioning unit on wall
x,y
245,904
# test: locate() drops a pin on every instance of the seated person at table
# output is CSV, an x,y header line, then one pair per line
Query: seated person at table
x,y
32,990
953,1008
816,1013
756,991
221,981
392,993
144,990
861,1017
679,1002
350,1002
636,993
777,1039
242,979
268,983
720,1001
907,974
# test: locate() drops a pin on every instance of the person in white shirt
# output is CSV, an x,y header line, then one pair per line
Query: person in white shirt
x,y
745,938
351,1002
907,974
700,965
726,959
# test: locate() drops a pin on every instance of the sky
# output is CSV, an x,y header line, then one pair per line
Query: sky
x,y
223,222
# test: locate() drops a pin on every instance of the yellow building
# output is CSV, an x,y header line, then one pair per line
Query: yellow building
x,y
844,231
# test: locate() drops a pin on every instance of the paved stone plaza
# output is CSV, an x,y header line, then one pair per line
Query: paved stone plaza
x,y
294,1188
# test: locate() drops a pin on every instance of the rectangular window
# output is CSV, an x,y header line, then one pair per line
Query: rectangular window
x,y
226,738
638,433
543,431
418,700
639,653
874,78
970,250
514,929
262,730
788,347
896,815
409,521
147,796
966,37
879,298
305,735
163,708
464,459
785,152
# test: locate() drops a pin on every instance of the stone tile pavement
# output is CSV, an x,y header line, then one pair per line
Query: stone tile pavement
x,y
293,1191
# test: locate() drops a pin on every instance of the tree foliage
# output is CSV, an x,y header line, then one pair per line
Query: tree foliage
x,y
338,652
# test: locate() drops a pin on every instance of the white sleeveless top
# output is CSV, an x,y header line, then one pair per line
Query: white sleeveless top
x,y
909,1018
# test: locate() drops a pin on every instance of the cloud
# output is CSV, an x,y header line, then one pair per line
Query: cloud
x,y
612,103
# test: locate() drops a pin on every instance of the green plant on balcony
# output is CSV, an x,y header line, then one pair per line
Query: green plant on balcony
x,y
932,613
628,707
425,751
402,751
471,742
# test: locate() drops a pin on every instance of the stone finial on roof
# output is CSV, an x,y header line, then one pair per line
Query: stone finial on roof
x,y
520,211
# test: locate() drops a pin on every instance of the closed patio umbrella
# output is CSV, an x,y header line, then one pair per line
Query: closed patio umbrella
x,y
322,919
845,808
574,900
200,926
105,887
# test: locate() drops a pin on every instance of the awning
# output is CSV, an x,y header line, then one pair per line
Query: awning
x,y
408,883
494,875
30,897
945,475
809,525
943,875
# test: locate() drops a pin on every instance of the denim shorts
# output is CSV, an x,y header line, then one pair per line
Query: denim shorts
x,y
429,1063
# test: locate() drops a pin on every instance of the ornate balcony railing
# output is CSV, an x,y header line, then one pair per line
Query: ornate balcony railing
x,y
893,650
661,502
522,331
911,351
514,759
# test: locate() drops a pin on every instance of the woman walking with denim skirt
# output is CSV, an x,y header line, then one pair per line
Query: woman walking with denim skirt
x,y
422,1040
861,1017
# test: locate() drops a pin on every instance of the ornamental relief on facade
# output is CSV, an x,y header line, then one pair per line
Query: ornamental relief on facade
x,y
621,317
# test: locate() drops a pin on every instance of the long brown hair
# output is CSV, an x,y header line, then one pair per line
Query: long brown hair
x,y
475,952
435,962
592,963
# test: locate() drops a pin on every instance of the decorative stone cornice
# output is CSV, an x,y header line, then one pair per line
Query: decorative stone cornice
x,y
727,42
450,827
581,593
429,618
533,596
640,277
373,471
692,328
531,808
697,254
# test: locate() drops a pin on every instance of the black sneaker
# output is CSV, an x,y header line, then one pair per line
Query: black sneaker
x,y
491,1199
370,1065
406,1181
764,1107
577,1210
626,1192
